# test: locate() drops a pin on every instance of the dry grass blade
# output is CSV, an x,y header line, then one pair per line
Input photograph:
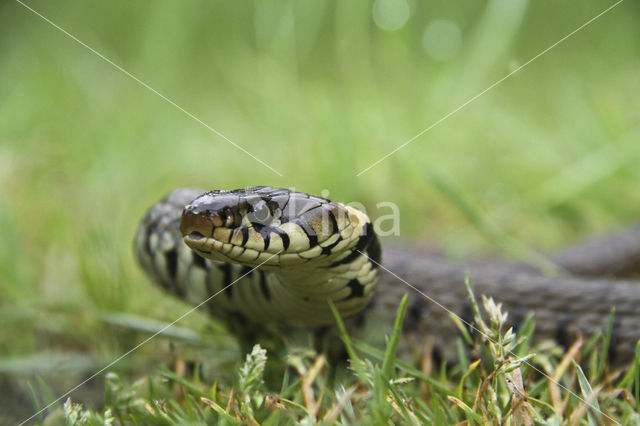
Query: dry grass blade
x,y
332,414
583,409
559,372
521,409
307,385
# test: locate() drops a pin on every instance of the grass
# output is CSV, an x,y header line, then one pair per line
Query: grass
x,y
505,385
319,93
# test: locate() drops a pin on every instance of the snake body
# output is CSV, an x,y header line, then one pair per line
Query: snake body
x,y
289,252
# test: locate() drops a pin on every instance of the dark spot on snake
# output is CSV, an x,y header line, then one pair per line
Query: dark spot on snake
x,y
283,235
171,257
210,292
245,234
306,299
374,252
367,236
332,220
357,289
347,259
263,286
225,268
265,233
327,250
311,234
245,271
257,254
151,229
313,240
199,261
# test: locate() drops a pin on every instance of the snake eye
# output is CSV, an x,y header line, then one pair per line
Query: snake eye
x,y
261,214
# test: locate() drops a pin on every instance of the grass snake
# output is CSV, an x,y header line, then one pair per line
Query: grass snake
x,y
290,252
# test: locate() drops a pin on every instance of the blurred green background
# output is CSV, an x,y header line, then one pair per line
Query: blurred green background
x,y
318,91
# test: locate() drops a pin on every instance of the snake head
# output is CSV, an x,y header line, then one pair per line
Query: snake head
x,y
264,224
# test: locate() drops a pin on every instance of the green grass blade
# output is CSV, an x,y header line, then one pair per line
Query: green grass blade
x,y
604,352
586,390
525,333
467,410
461,327
388,363
381,408
462,355
149,326
591,344
46,393
344,336
636,366
184,382
36,401
407,417
467,372
379,355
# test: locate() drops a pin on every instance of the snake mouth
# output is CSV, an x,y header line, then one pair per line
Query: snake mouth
x,y
226,244
205,233
196,236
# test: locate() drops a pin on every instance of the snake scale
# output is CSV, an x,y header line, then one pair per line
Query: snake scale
x,y
289,252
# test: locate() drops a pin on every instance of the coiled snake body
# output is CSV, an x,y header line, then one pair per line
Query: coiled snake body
x,y
289,252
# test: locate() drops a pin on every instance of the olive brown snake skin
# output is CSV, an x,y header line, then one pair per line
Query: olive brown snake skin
x,y
308,249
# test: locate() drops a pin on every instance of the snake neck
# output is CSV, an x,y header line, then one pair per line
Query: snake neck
x,y
347,276
303,298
